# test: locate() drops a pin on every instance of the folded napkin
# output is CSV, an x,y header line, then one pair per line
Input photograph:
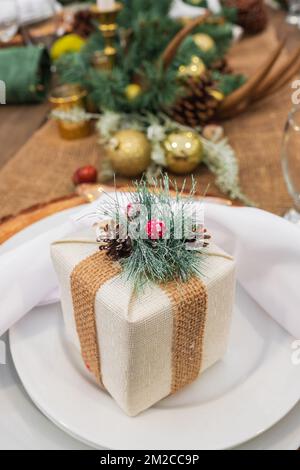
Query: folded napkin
x,y
26,73
179,9
31,11
266,249
27,276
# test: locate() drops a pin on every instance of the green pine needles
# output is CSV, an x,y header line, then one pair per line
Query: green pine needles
x,y
158,236
148,30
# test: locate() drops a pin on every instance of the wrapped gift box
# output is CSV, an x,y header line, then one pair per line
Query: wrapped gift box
x,y
143,347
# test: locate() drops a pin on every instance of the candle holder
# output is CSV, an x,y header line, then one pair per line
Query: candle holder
x,y
106,59
67,98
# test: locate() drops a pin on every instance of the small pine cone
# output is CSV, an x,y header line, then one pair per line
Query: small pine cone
x,y
221,65
83,24
251,14
199,107
118,249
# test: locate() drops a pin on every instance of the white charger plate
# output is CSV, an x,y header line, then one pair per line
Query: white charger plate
x,y
239,398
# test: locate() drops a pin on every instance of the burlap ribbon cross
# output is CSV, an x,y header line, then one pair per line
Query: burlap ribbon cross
x,y
189,305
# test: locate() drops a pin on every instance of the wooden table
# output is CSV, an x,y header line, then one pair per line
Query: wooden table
x,y
17,123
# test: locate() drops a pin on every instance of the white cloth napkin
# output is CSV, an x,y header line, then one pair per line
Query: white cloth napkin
x,y
27,276
29,11
266,248
179,9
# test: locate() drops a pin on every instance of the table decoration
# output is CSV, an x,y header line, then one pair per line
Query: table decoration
x,y
84,192
26,73
137,143
106,12
42,169
129,151
68,43
192,84
183,151
172,283
85,174
251,14
65,99
83,23
159,88
247,224
178,148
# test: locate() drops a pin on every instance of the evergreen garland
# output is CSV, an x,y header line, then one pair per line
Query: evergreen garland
x,y
147,242
151,30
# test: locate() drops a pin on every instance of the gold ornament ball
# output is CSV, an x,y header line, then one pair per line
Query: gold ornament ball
x,y
129,152
194,69
217,95
204,42
132,91
184,151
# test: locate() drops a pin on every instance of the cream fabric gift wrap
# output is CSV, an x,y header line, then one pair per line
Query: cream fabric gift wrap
x,y
142,348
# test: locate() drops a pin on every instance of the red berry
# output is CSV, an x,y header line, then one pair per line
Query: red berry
x,y
155,229
85,174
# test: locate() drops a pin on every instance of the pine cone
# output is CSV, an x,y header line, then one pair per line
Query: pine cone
x,y
199,106
251,14
83,23
221,65
117,248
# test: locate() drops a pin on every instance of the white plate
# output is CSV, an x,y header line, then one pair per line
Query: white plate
x,y
250,390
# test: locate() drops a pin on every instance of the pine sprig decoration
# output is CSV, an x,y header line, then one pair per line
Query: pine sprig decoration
x,y
157,255
227,83
149,30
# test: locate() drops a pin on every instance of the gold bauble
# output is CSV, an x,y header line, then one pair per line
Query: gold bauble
x,y
218,95
132,91
184,151
194,69
204,42
129,152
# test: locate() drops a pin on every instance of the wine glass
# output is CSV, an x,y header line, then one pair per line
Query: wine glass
x,y
293,16
9,20
290,157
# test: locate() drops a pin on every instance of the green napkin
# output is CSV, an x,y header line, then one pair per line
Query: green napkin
x,y
26,73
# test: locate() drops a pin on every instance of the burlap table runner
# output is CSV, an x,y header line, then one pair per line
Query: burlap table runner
x,y
43,168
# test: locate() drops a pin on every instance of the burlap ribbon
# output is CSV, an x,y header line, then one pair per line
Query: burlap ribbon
x,y
189,307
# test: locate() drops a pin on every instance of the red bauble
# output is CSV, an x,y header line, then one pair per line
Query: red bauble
x,y
85,174
155,229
